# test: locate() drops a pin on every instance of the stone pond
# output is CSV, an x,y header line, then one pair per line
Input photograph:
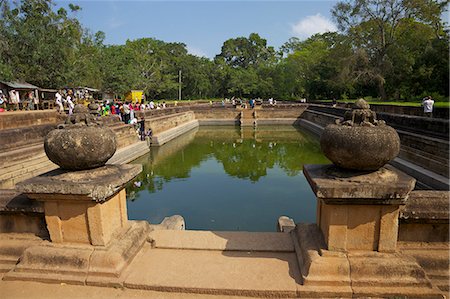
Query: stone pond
x,y
225,178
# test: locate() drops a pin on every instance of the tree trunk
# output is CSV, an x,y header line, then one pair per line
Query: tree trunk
x,y
382,90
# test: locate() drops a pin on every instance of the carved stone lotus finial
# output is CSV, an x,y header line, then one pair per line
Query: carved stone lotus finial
x,y
81,142
360,141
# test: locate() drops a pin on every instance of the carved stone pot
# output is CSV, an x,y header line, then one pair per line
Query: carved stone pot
x,y
358,147
80,143
360,141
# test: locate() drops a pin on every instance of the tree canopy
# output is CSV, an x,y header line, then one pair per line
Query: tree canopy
x,y
391,49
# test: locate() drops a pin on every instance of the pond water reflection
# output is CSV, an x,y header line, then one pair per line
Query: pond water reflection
x,y
225,178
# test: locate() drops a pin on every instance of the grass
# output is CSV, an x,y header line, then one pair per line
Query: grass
x,y
409,104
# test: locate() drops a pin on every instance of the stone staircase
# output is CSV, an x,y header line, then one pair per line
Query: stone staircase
x,y
248,118
266,264
434,259
221,263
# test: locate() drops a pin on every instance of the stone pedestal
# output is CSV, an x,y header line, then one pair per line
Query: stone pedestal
x,y
359,210
92,240
352,249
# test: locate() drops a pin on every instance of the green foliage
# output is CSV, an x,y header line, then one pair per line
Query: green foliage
x,y
387,49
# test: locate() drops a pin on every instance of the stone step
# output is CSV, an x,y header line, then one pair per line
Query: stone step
x,y
24,167
422,175
39,157
259,274
21,154
129,153
27,173
435,164
222,241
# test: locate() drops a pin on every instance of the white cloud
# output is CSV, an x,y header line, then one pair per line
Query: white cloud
x,y
312,25
196,51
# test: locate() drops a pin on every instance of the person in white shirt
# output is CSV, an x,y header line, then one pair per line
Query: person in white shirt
x,y
58,101
427,104
69,100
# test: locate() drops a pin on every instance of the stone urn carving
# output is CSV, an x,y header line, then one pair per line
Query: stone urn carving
x,y
360,141
81,142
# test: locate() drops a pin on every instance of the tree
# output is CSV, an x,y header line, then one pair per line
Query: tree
x,y
375,27
42,42
247,52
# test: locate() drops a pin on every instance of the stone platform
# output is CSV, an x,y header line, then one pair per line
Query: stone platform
x,y
180,264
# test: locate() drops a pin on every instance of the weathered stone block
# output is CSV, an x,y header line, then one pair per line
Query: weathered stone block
x,y
359,210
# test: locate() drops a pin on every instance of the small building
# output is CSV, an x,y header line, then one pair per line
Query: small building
x,y
21,87
47,98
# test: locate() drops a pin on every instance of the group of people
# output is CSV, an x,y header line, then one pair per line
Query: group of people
x,y
238,102
16,101
126,110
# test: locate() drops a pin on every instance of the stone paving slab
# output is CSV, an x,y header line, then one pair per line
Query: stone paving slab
x,y
220,240
37,290
261,274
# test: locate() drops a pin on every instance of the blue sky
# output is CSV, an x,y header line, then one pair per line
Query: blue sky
x,y
204,25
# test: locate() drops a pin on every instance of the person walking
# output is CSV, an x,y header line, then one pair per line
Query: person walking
x,y
58,102
427,104
69,100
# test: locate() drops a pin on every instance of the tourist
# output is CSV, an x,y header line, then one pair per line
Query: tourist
x,y
58,101
126,113
2,100
69,101
427,104
152,105
121,112
252,103
164,104
36,102
131,111
271,101
334,102
142,129
14,99
30,101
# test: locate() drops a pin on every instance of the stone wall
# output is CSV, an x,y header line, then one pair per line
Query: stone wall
x,y
163,123
428,153
394,109
18,214
20,119
210,113
22,153
425,217
280,112
432,127
405,110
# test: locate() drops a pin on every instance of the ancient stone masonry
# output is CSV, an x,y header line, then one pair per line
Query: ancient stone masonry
x,y
358,204
360,141
81,142
91,239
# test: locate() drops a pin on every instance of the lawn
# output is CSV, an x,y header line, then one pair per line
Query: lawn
x,y
410,104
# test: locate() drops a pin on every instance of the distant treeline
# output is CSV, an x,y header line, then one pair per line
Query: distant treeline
x,y
390,49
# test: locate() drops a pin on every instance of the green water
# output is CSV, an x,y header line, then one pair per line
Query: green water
x,y
225,178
